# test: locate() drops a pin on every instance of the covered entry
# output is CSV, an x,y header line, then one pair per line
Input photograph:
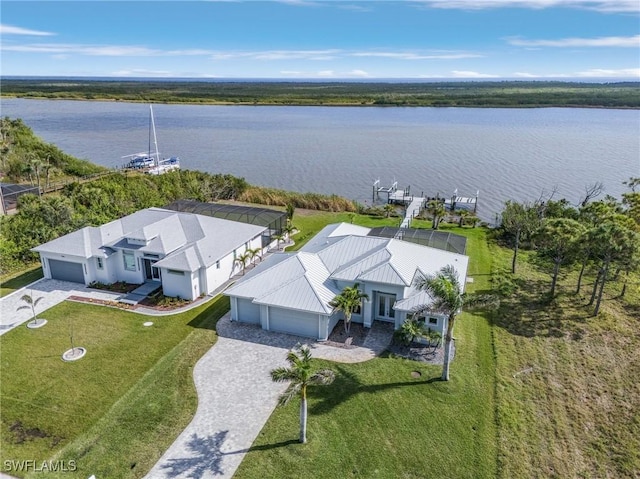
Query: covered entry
x,y
66,270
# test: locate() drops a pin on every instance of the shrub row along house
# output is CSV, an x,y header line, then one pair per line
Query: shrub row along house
x,y
189,254
291,292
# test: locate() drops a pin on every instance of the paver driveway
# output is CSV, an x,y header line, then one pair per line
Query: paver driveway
x,y
236,397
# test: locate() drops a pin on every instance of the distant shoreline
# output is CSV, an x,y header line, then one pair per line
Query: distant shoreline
x,y
467,94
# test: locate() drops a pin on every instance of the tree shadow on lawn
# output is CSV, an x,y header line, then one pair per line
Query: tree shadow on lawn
x,y
347,385
530,312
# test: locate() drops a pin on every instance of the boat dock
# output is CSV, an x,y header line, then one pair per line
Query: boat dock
x,y
414,205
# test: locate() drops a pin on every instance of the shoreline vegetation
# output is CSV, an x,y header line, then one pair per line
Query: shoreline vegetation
x,y
487,94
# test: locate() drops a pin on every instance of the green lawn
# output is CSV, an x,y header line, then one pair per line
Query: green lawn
x,y
376,420
13,282
116,410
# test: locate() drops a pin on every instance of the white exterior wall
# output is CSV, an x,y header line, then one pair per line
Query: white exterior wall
x,y
176,285
107,274
134,277
215,277
64,257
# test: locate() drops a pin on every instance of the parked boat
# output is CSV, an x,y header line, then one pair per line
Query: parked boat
x,y
150,160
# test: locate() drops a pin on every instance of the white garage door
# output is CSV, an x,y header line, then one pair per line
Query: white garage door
x,y
66,271
293,322
248,312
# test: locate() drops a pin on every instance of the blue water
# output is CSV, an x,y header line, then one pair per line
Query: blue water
x,y
516,154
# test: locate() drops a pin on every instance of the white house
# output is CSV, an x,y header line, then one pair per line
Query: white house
x,y
290,292
188,254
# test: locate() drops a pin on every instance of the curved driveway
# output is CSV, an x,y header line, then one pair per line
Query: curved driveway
x,y
236,397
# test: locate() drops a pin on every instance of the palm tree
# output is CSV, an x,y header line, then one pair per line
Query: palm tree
x,y
348,301
388,209
446,291
301,376
255,253
278,238
31,304
437,210
242,260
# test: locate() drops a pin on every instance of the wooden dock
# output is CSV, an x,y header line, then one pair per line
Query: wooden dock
x,y
414,205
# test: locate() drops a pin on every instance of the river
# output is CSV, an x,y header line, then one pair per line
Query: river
x,y
504,154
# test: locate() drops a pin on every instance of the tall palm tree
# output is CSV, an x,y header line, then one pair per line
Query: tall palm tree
x,y
446,292
348,301
31,304
301,376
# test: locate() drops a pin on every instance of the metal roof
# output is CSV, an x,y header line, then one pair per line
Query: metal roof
x,y
168,233
307,280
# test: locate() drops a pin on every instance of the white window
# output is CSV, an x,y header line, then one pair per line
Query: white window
x,y
129,261
99,261
433,320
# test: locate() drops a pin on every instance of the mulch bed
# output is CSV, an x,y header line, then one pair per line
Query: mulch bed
x,y
144,304
419,352
357,332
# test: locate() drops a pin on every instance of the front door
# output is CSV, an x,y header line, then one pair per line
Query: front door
x,y
384,307
150,271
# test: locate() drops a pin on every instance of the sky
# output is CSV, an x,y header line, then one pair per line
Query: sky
x,y
589,40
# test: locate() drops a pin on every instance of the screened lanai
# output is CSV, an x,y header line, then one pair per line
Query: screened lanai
x,y
274,220
433,238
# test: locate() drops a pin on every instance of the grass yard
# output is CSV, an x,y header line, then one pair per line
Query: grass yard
x,y
376,420
567,388
115,411
13,282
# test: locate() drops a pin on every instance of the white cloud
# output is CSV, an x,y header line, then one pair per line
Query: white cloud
x,y
470,74
633,42
11,30
416,56
605,73
358,73
606,6
143,73
592,73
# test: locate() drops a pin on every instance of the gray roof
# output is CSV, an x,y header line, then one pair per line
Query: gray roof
x,y
307,280
186,241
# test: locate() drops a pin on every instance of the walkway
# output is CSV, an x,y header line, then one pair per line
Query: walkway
x,y
412,211
52,292
236,397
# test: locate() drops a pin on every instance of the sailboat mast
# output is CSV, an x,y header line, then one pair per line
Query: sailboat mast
x,y
152,127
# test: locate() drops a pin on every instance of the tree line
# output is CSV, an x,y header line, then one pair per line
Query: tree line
x,y
447,94
602,235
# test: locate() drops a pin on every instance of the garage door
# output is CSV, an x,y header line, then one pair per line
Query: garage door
x,y
293,322
66,271
248,312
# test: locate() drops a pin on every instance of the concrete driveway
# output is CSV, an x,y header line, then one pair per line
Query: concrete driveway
x,y
52,292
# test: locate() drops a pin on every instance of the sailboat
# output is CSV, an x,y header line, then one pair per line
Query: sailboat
x,y
150,160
